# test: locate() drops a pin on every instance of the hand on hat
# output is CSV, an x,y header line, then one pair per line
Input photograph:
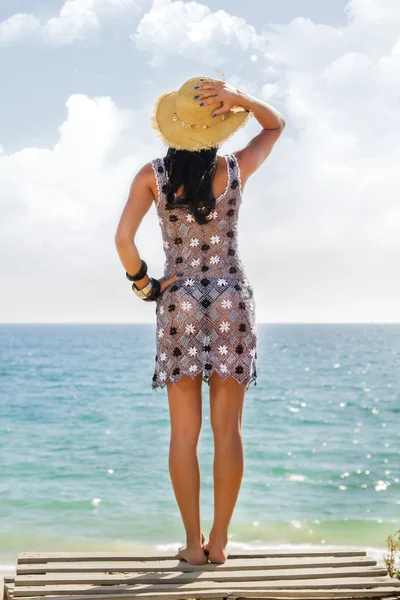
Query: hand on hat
x,y
211,91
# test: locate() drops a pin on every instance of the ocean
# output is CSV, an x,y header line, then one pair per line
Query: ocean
x,y
84,441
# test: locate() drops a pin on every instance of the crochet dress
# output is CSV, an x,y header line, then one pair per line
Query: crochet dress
x,y
205,321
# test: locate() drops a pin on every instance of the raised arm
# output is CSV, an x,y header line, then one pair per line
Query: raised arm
x,y
252,156
272,122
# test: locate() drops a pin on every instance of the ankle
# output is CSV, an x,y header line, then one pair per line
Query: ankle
x,y
194,543
219,538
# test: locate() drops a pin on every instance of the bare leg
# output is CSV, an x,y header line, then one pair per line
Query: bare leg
x,y
185,404
226,407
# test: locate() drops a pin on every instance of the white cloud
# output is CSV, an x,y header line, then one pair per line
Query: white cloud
x,y
16,27
192,30
60,207
77,20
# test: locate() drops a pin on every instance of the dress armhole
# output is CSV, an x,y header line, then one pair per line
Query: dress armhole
x,y
229,170
228,176
238,173
154,165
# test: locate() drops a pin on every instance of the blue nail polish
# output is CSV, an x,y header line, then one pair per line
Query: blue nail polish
x,y
214,115
201,79
198,96
179,274
196,87
201,103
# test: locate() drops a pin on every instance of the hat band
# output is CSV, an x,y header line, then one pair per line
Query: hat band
x,y
196,125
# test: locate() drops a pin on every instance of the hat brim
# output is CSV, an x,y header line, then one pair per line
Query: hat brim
x,y
187,138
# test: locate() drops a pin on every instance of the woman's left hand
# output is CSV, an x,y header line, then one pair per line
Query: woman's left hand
x,y
167,282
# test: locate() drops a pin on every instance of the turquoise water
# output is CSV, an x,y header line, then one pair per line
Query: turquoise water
x,y
84,440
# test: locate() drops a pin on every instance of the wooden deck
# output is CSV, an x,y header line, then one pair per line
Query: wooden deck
x,y
320,574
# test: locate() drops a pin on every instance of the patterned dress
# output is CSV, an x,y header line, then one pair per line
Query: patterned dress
x,y
206,319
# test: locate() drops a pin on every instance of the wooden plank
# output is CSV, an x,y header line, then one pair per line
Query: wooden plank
x,y
208,594
39,557
243,593
315,594
323,583
117,578
178,577
8,587
180,566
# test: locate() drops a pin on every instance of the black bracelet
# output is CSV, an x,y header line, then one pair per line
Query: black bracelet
x,y
156,290
140,274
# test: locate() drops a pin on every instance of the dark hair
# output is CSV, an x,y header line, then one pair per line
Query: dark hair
x,y
194,170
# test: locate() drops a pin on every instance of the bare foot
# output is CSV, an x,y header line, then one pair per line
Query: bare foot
x,y
216,550
193,557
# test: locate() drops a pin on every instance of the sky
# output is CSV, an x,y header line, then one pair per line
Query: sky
x,y
319,227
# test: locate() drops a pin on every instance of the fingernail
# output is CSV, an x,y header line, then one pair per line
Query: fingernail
x,y
179,274
201,79
198,96
201,103
214,115
196,87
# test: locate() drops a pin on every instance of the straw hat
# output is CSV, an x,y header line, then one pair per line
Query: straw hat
x,y
182,123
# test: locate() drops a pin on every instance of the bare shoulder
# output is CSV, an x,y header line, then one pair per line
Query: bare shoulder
x,y
146,171
145,177
251,157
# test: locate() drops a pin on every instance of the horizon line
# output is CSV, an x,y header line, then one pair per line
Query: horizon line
x,y
372,322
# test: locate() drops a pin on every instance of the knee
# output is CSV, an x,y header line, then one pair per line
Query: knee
x,y
225,429
186,433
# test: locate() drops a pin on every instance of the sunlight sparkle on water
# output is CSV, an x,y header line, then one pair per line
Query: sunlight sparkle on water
x,y
381,485
297,477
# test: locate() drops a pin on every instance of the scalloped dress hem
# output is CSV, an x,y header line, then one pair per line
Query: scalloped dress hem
x,y
206,374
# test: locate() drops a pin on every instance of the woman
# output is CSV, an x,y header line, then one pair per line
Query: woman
x,y
204,303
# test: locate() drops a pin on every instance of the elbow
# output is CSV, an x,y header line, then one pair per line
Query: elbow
x,y
282,123
281,127
122,239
